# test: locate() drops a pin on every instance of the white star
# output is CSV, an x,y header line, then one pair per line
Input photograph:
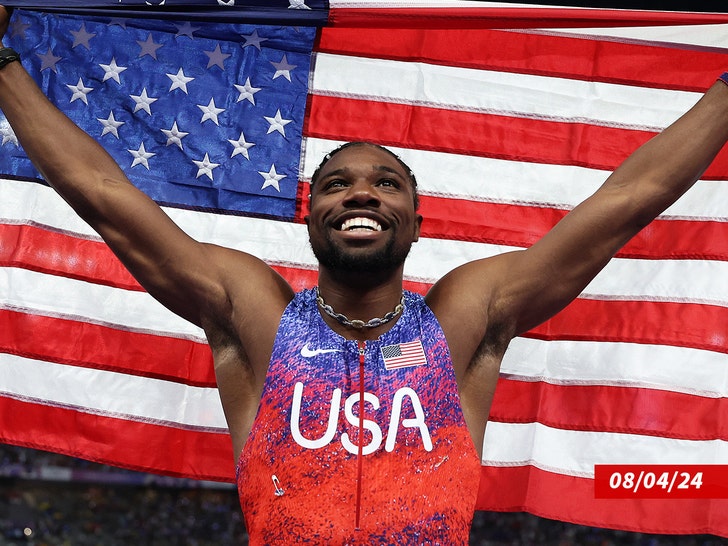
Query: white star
x,y
277,123
143,102
82,37
48,60
216,57
254,40
112,70
141,156
179,81
297,4
18,28
174,135
205,167
271,178
118,21
149,47
79,91
240,146
283,68
8,134
210,112
186,29
111,125
225,2
247,91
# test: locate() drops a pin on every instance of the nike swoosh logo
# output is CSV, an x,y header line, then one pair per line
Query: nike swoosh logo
x,y
310,353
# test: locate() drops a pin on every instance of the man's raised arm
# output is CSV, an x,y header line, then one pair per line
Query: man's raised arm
x,y
174,268
558,267
519,290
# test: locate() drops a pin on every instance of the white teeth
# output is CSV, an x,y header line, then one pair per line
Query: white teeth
x,y
368,224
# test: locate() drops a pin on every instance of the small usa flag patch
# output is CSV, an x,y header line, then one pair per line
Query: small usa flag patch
x,y
404,355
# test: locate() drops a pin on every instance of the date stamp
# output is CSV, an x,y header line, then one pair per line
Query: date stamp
x,y
658,481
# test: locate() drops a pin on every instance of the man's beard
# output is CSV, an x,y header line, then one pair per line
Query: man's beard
x,y
333,257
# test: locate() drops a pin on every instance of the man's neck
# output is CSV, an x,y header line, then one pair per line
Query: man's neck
x,y
360,296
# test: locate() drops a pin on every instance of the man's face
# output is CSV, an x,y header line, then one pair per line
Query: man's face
x,y
362,216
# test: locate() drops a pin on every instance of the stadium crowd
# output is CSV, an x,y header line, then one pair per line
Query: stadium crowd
x,y
53,500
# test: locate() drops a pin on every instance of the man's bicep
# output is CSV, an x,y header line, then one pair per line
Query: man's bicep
x,y
205,282
169,264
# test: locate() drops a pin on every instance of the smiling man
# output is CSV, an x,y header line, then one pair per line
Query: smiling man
x,y
357,409
358,341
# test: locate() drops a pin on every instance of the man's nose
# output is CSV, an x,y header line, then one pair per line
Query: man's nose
x,y
361,193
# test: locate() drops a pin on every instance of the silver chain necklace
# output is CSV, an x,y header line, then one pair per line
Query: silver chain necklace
x,y
358,324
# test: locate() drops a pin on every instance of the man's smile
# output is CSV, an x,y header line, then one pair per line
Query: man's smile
x,y
360,223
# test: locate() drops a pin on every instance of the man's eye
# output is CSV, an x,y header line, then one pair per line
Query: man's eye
x,y
388,182
335,183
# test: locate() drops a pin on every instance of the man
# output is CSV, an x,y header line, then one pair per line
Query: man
x,y
358,412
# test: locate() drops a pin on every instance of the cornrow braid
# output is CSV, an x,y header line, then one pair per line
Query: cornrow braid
x,y
346,145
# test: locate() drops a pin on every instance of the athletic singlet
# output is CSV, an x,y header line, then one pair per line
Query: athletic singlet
x,y
300,477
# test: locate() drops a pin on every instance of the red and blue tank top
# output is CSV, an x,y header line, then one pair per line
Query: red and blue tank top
x,y
302,475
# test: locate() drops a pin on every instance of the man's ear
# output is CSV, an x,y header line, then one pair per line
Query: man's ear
x,y
307,206
418,226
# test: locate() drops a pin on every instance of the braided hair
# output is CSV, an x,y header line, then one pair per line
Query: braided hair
x,y
335,151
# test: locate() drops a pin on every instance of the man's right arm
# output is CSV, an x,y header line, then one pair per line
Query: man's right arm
x,y
197,281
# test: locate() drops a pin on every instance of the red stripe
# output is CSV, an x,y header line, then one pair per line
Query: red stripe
x,y
120,442
487,135
100,347
693,325
659,323
522,225
570,498
104,348
48,251
491,17
611,409
545,55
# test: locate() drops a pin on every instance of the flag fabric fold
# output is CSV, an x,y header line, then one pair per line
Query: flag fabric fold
x,y
509,116
271,12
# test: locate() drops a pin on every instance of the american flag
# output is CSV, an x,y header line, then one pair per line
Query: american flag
x,y
404,355
509,116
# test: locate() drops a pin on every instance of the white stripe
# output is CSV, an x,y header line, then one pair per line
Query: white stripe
x,y
695,281
520,95
499,181
677,369
111,394
711,36
281,242
56,296
622,278
559,362
576,452
660,280
137,311
287,243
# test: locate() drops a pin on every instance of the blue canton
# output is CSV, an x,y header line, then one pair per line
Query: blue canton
x,y
199,115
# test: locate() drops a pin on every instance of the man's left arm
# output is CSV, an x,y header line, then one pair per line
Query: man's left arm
x,y
514,292
557,268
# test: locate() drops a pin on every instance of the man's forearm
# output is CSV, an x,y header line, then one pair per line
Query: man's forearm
x,y
664,168
70,160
